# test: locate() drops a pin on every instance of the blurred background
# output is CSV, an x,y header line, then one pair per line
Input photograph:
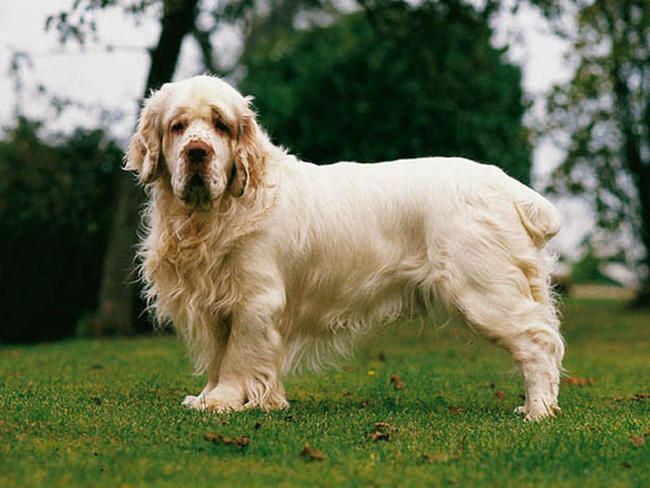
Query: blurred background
x,y
556,92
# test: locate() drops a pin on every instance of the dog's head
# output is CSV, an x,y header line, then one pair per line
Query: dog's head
x,y
201,135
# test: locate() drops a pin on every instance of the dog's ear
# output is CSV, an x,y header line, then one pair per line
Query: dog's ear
x,y
249,154
143,153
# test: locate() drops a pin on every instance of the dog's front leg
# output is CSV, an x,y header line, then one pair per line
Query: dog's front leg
x,y
249,375
216,351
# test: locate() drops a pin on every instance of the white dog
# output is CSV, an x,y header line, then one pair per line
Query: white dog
x,y
262,261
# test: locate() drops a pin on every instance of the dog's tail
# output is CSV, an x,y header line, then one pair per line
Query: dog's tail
x,y
539,217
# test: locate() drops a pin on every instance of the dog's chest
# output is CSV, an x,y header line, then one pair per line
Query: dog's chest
x,y
193,285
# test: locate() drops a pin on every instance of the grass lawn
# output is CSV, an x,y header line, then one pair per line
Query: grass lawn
x,y
108,413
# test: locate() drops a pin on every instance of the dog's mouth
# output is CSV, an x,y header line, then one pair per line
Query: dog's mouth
x,y
197,193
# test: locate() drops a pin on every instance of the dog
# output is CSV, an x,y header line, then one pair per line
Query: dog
x,y
263,262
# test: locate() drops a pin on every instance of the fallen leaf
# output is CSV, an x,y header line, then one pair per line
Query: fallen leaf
x,y
456,410
382,432
576,381
618,398
640,396
637,440
241,442
397,382
311,453
379,436
500,395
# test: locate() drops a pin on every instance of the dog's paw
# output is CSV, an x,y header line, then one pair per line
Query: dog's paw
x,y
538,412
193,402
269,405
219,405
521,410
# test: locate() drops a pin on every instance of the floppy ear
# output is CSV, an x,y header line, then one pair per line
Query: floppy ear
x,y
143,152
249,154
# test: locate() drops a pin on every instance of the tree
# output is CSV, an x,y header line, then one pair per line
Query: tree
x,y
117,292
392,81
603,117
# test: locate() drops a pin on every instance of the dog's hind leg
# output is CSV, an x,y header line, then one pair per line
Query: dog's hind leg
x,y
507,299
530,332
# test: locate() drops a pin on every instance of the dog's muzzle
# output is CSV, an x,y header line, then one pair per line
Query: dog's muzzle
x,y
197,156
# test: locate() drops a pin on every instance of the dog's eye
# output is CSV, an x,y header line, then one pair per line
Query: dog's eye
x,y
178,127
221,126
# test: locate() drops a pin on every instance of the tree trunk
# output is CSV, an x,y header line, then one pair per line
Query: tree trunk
x,y
643,186
117,292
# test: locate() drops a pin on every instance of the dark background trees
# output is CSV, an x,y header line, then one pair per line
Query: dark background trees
x,y
393,81
55,213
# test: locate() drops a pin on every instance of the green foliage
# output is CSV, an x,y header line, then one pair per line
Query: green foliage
x,y
602,116
588,270
396,81
108,413
54,214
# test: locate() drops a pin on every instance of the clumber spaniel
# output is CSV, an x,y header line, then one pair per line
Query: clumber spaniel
x,y
262,261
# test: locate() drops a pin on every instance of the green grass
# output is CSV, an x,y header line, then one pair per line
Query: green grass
x,y
107,413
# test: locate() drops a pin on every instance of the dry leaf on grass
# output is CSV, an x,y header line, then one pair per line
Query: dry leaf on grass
x,y
500,395
311,453
379,436
637,440
241,442
397,382
456,410
382,432
576,381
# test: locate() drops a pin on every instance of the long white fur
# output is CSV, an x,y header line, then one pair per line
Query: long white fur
x,y
309,258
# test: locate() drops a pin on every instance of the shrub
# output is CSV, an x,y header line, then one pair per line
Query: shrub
x,y
55,211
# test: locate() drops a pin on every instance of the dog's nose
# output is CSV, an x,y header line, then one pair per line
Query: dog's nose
x,y
197,152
